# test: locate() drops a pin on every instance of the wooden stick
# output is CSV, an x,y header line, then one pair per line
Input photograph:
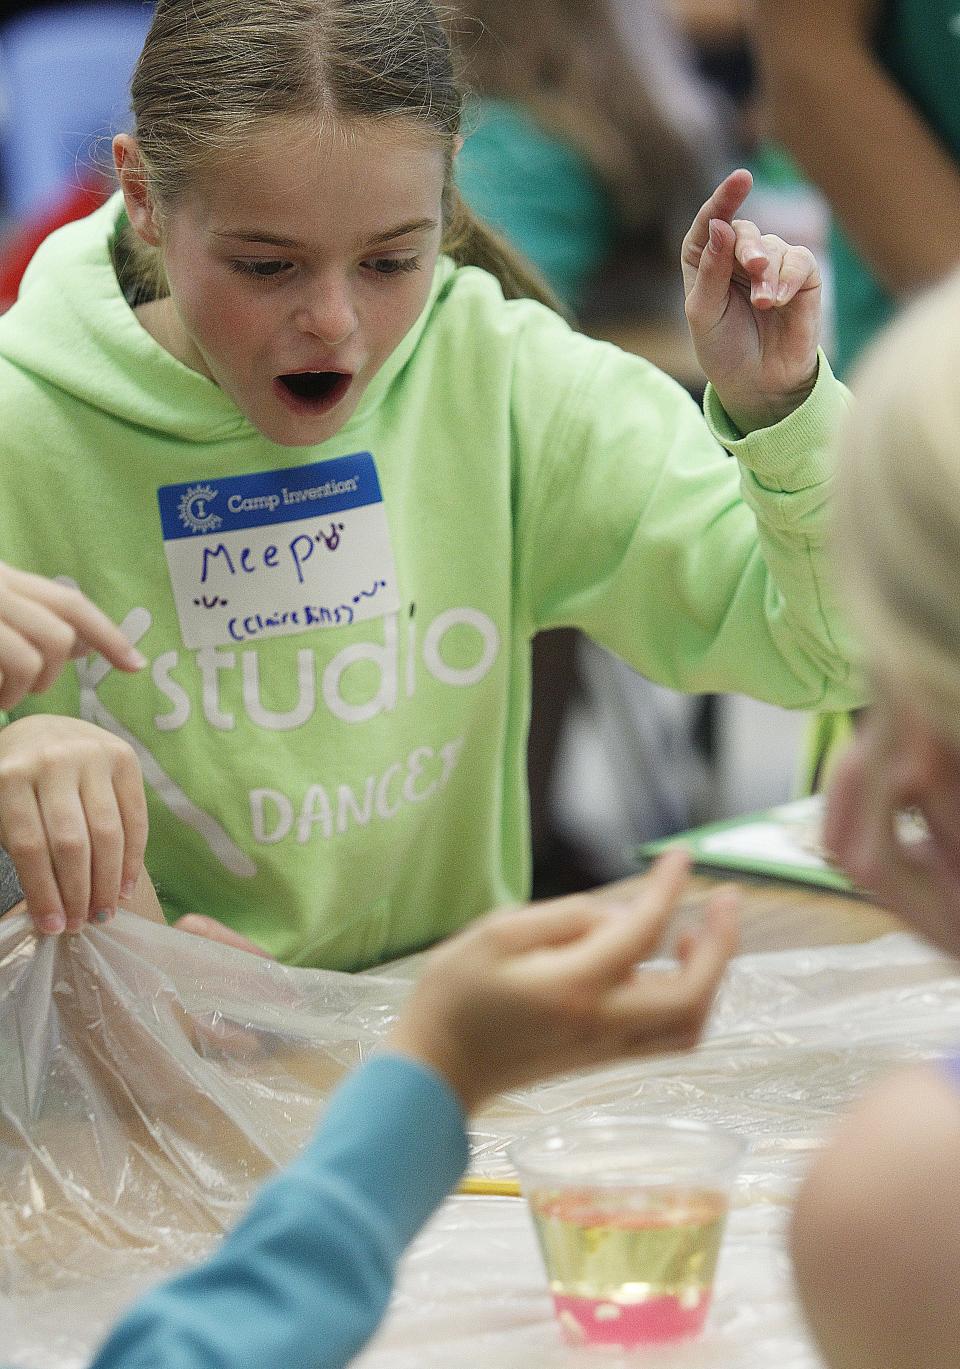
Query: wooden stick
x,y
495,1188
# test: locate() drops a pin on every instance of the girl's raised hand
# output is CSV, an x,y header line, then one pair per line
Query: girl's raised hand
x,y
526,993
42,626
73,819
753,306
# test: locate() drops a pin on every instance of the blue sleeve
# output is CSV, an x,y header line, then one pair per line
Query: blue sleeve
x,y
304,1279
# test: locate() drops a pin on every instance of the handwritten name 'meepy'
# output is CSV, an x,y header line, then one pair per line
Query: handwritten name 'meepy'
x,y
249,560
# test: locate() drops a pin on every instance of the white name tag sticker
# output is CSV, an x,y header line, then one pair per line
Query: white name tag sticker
x,y
278,552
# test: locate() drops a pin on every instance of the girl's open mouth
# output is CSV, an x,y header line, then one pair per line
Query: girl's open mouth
x,y
312,392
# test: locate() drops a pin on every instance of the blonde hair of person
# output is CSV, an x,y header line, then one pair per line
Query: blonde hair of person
x,y
897,512
567,63
214,73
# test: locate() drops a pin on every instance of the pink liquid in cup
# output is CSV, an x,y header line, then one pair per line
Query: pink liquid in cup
x,y
632,1267
593,1321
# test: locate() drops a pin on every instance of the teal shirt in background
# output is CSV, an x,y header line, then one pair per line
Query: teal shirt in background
x,y
918,43
538,192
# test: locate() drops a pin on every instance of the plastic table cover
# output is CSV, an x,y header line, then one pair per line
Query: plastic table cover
x,y
148,1079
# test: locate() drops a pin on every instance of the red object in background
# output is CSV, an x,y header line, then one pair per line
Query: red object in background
x,y
20,243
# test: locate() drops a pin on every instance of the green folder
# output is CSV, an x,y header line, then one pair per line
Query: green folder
x,y
778,843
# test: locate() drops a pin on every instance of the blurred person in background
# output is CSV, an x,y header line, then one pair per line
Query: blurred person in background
x,y
866,95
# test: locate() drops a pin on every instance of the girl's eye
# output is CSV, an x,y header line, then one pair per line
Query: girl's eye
x,y
261,270
393,266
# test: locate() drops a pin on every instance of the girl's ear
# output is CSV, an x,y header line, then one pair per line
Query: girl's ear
x,y
133,182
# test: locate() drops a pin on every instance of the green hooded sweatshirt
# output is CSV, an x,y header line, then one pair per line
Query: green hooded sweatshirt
x,y
332,727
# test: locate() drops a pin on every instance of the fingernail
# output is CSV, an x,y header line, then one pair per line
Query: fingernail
x,y
763,291
127,890
53,925
104,915
716,237
782,293
135,659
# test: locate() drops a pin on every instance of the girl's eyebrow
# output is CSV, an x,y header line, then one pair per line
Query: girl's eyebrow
x,y
256,235
414,226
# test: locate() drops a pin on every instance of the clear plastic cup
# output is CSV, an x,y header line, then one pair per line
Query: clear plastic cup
x,y
630,1215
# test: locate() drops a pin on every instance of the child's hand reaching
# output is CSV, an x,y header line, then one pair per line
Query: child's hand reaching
x,y
753,306
526,993
44,624
73,818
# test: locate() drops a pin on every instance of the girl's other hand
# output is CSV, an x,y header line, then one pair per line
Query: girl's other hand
x,y
73,819
198,924
530,992
753,305
42,626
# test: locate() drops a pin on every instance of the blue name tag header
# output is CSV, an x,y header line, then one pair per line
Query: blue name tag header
x,y
237,502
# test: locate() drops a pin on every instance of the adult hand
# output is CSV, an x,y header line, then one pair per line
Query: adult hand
x,y
753,305
43,625
73,819
894,766
526,993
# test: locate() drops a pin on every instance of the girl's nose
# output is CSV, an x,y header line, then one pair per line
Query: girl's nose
x,y
328,314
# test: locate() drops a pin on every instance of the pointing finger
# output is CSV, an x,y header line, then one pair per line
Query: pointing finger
x,y
722,204
96,632
93,630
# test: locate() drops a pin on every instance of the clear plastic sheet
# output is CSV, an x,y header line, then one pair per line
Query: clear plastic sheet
x,y
149,1079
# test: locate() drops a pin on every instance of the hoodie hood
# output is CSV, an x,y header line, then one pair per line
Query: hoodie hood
x,y
72,328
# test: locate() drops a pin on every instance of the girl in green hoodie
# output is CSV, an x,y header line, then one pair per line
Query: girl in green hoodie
x,y
307,431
